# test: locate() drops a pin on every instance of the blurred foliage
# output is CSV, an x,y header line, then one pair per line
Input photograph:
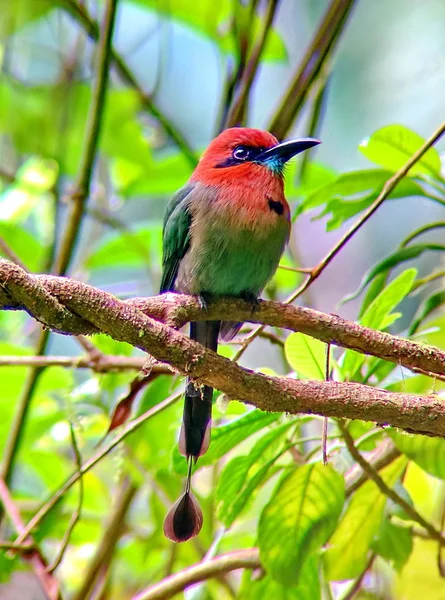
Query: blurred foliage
x,y
262,481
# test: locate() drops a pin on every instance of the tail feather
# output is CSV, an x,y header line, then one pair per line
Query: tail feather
x,y
229,329
194,438
184,519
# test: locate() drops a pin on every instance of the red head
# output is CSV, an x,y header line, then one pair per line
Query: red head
x,y
246,156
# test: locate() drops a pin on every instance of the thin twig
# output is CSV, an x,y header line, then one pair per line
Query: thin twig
x,y
385,489
89,464
107,363
25,548
77,513
386,191
241,559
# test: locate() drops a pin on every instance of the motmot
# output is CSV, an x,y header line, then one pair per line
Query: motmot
x,y
224,233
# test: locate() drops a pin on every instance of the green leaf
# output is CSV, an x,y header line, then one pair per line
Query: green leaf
x,y
425,309
299,519
342,210
268,588
351,186
376,316
226,437
393,260
316,176
394,544
161,176
8,564
392,146
243,474
427,452
28,249
388,299
32,117
351,193
127,249
374,289
347,554
306,355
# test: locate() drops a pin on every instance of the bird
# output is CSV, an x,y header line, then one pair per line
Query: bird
x,y
224,233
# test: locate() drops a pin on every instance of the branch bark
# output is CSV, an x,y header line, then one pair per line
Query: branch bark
x,y
58,301
241,559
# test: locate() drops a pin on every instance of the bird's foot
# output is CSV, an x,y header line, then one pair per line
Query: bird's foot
x,y
204,299
252,299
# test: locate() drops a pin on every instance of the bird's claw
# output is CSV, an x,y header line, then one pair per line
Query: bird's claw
x,y
252,299
203,300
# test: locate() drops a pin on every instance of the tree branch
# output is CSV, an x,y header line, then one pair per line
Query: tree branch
x,y
241,559
57,301
124,321
380,457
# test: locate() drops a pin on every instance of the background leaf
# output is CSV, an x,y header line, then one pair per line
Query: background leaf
x,y
348,550
392,146
306,355
299,519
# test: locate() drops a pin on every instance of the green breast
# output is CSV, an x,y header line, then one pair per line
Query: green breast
x,y
232,261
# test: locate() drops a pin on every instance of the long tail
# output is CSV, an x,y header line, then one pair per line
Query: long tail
x,y
194,438
184,519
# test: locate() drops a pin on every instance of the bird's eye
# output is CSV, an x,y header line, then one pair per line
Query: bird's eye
x,y
241,153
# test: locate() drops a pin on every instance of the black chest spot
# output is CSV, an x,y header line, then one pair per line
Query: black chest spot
x,y
276,206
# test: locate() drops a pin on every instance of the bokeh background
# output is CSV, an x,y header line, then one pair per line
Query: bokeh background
x,y
387,68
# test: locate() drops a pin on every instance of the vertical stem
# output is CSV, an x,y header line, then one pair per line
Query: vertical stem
x,y
319,50
82,187
79,198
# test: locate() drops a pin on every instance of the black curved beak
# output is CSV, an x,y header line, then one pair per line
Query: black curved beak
x,y
281,153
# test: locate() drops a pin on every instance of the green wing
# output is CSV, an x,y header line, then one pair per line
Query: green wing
x,y
175,236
